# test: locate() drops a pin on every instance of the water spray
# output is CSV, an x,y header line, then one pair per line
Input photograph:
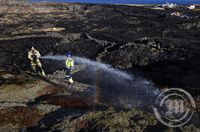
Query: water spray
x,y
116,87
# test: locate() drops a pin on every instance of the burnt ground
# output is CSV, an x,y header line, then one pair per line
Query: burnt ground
x,y
162,48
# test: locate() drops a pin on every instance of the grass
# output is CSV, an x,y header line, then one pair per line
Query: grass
x,y
20,116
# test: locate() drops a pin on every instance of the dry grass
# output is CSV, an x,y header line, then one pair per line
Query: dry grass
x,y
49,90
70,101
21,116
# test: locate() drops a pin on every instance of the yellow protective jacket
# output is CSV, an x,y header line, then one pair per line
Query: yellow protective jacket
x,y
69,63
30,57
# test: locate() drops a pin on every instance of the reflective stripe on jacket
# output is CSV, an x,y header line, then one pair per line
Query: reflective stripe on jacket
x,y
31,53
69,63
37,54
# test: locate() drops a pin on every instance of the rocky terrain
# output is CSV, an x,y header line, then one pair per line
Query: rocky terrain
x,y
144,42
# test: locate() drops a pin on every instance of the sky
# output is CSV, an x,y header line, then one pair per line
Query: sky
x,y
130,1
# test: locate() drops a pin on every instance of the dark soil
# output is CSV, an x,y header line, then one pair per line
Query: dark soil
x,y
139,40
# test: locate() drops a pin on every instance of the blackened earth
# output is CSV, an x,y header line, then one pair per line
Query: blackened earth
x,y
145,42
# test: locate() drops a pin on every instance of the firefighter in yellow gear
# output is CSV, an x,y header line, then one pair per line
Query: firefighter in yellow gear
x,y
33,56
69,67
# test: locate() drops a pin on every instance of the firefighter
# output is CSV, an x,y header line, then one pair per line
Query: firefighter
x,y
69,67
33,56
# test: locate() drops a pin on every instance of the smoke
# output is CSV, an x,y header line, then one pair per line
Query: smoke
x,y
113,86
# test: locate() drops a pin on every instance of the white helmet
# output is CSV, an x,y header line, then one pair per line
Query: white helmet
x,y
32,48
